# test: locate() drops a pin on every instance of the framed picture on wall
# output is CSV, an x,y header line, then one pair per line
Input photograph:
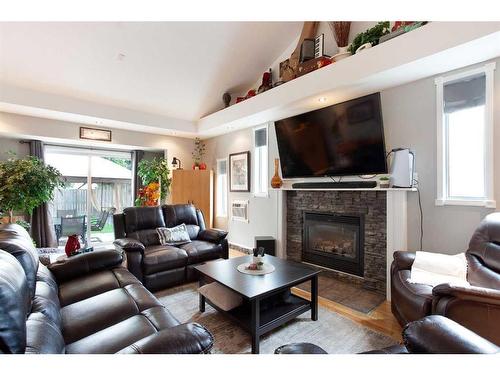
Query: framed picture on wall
x,y
239,171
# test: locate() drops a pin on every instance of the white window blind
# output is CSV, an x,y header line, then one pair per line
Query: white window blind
x,y
260,162
221,197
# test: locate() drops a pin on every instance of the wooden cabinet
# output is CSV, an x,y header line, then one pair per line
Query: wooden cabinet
x,y
195,187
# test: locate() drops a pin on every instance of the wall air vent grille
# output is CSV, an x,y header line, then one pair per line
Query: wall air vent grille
x,y
239,210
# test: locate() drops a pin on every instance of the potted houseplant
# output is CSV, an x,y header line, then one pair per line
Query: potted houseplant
x,y
384,182
370,37
26,184
155,176
199,151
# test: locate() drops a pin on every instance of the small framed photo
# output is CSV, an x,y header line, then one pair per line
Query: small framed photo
x,y
239,171
95,134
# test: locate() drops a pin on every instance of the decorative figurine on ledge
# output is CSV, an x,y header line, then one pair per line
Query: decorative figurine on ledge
x,y
267,82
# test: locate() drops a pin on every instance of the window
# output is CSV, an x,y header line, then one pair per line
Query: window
x,y
98,184
260,162
221,204
465,138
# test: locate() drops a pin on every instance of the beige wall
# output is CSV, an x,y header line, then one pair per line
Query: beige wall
x,y
14,126
409,113
262,210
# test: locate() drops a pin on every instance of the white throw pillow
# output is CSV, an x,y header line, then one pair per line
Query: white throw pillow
x,y
221,296
173,236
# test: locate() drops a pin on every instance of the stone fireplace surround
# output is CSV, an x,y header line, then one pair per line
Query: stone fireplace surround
x,y
372,205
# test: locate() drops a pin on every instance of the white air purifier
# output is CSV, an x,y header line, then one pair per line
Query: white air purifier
x,y
402,165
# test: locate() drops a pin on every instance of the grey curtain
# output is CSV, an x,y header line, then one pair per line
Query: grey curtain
x,y
137,156
42,227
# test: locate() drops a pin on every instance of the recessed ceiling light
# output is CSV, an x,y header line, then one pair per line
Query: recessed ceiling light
x,y
322,99
121,57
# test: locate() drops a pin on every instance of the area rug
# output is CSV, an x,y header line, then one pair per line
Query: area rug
x,y
333,332
345,293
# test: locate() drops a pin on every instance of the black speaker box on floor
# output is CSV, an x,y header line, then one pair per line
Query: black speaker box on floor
x,y
267,242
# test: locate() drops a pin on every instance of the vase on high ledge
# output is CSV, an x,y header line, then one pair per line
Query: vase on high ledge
x,y
276,181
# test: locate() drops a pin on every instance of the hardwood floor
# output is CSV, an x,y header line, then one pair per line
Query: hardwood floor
x,y
380,319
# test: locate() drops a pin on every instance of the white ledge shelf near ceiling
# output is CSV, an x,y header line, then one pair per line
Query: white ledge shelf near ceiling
x,y
432,49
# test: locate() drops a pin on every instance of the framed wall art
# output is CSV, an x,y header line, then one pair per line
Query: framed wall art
x,y
239,172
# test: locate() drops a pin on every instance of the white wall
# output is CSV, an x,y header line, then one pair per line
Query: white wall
x,y
410,121
263,218
11,144
409,113
61,132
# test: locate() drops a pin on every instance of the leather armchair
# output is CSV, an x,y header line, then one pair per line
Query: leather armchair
x,y
476,307
436,334
159,266
433,334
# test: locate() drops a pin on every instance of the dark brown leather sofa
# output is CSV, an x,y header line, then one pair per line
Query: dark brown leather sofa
x,y
89,303
430,335
476,307
158,266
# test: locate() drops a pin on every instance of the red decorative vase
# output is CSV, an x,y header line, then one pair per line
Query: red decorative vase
x,y
203,166
72,244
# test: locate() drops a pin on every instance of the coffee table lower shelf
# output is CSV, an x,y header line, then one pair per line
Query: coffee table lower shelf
x,y
268,318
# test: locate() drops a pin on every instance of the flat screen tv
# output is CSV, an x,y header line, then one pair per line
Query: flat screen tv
x,y
340,140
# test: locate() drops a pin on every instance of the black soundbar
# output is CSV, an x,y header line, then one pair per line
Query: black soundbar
x,y
335,185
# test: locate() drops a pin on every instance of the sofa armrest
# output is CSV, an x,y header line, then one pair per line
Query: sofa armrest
x,y
82,264
212,235
189,338
436,334
468,293
403,260
129,244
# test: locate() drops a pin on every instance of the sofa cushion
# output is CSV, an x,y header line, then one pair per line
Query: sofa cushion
x,y
43,335
161,258
148,237
139,218
176,214
90,285
200,251
15,302
15,240
485,242
46,302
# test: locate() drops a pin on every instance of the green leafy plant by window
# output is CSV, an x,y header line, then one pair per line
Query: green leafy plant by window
x,y
370,36
155,170
26,184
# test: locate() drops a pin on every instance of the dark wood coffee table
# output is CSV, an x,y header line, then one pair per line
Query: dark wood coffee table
x,y
268,302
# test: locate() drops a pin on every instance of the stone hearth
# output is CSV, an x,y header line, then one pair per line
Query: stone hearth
x,y
372,205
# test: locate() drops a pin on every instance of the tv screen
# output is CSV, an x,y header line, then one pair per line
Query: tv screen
x,y
340,140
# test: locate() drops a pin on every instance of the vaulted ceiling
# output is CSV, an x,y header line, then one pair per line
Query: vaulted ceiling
x,y
171,70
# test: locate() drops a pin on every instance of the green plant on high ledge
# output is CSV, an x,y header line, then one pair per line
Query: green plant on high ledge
x,y
26,184
155,170
370,36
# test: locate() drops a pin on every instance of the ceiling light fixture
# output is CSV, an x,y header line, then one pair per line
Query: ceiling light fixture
x,y
322,99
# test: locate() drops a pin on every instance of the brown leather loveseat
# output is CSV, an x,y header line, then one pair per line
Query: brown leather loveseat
x,y
476,307
160,266
88,303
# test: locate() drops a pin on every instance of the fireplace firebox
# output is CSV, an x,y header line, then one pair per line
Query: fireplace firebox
x,y
334,241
